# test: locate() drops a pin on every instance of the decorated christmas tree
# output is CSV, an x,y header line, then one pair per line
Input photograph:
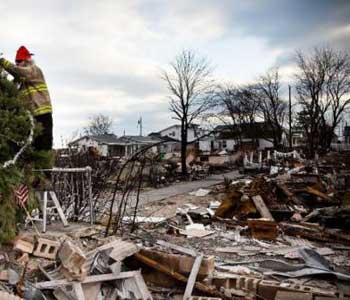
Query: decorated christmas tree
x,y
17,159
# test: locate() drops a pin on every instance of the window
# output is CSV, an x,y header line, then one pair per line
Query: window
x,y
224,144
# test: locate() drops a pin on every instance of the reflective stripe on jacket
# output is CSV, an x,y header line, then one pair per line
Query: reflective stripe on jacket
x,y
33,88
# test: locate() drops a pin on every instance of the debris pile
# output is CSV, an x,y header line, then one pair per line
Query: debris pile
x,y
60,267
273,235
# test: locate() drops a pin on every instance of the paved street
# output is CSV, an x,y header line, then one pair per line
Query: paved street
x,y
184,187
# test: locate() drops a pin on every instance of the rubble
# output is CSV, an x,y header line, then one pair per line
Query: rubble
x,y
72,261
271,235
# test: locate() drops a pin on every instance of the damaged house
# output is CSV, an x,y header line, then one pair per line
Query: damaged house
x,y
109,145
171,136
250,136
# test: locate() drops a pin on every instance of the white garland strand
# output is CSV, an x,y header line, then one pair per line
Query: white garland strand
x,y
27,143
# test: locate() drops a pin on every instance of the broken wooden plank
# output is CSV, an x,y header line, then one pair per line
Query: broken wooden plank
x,y
53,284
193,232
78,290
122,250
91,290
332,211
142,286
262,208
164,269
317,193
192,279
317,234
181,263
177,248
61,291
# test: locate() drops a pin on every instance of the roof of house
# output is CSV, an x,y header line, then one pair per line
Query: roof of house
x,y
112,139
139,139
247,130
109,138
177,125
164,138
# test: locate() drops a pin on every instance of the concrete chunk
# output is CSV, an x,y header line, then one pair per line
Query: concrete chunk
x,y
47,248
73,259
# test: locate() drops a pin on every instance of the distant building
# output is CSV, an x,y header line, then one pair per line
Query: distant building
x,y
174,131
231,137
109,145
168,145
298,137
104,143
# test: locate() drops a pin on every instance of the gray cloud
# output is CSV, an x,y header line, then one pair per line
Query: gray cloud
x,y
292,24
133,86
105,56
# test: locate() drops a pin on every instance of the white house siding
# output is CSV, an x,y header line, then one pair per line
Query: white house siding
x,y
85,143
175,133
205,145
103,150
154,149
230,145
263,144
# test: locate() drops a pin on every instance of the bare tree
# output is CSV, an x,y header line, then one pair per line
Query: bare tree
x,y
323,87
99,124
338,90
190,87
239,107
272,107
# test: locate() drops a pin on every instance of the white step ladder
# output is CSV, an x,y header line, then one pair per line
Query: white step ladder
x,y
44,200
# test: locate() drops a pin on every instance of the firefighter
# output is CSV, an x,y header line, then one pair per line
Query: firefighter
x,y
33,90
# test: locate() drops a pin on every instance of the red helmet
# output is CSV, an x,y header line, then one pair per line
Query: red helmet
x,y
23,54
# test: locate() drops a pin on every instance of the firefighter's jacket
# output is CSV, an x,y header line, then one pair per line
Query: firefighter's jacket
x,y
32,86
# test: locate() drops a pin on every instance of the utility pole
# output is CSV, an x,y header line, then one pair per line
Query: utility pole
x,y
290,116
139,123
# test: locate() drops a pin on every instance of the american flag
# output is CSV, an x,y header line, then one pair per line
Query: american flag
x,y
22,194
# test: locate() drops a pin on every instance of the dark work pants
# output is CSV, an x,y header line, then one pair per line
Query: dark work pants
x,y
44,140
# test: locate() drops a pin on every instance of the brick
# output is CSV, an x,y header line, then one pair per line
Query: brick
x,y
7,296
267,289
23,246
233,284
288,295
4,275
47,248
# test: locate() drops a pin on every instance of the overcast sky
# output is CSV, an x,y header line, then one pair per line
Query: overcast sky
x,y
105,56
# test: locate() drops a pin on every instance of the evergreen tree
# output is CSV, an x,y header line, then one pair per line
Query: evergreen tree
x,y
15,128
